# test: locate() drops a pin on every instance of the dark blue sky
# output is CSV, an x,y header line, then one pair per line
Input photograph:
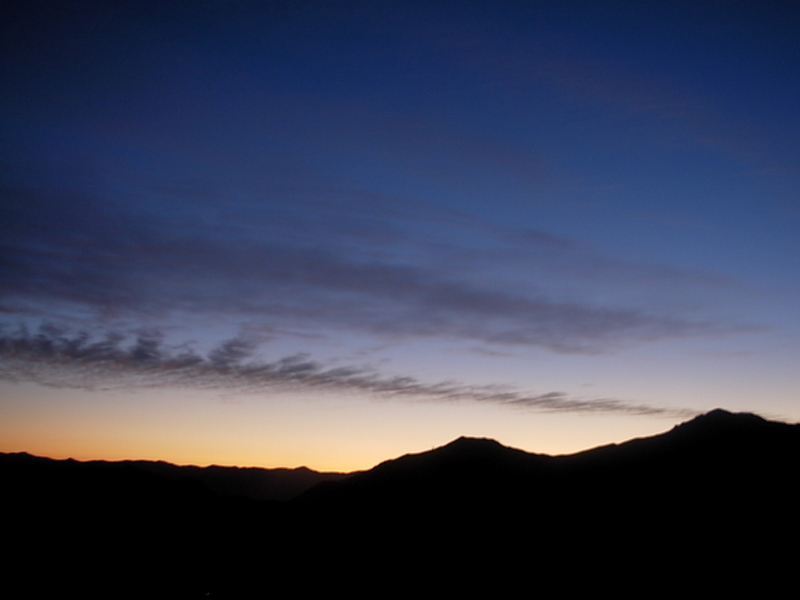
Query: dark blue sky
x,y
421,219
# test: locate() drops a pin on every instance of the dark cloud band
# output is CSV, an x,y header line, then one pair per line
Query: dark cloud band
x,y
378,278
51,356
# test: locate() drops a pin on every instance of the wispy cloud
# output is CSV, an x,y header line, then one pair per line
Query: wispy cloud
x,y
54,357
350,271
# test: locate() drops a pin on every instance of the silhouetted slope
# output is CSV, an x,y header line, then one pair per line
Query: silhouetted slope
x,y
247,482
719,462
137,529
716,492
718,433
710,448
469,468
710,506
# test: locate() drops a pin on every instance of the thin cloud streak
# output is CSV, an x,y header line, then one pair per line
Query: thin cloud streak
x,y
141,265
55,357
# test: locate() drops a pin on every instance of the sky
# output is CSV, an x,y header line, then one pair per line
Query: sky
x,y
330,233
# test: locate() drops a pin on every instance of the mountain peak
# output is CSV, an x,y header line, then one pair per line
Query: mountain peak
x,y
717,413
723,431
474,447
476,442
720,414
719,417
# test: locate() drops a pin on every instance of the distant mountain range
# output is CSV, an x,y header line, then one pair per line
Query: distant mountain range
x,y
45,474
713,504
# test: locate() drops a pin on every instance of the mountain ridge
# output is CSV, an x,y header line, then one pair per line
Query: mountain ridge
x,y
469,516
721,441
283,483
255,483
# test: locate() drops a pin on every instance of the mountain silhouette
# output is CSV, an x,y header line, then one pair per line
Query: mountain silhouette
x,y
709,506
710,448
717,490
467,468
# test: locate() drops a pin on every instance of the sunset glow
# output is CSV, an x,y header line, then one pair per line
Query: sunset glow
x,y
326,234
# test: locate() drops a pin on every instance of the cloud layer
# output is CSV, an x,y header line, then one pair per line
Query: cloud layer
x,y
350,270
499,183
54,357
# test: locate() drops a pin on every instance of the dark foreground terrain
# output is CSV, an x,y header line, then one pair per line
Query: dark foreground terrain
x,y
709,507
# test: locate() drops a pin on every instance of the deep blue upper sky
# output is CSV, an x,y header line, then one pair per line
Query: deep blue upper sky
x,y
589,206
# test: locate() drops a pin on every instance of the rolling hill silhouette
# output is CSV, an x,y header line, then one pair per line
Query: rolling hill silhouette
x,y
37,474
710,506
718,492
712,453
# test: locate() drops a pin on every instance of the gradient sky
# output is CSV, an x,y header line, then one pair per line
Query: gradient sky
x,y
329,233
